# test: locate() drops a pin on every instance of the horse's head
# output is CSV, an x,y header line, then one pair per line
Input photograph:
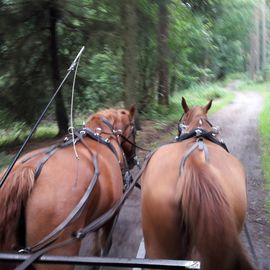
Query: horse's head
x,y
117,124
194,117
126,122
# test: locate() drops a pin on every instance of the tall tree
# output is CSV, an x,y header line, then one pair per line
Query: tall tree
x,y
38,44
254,62
163,69
60,110
130,51
263,10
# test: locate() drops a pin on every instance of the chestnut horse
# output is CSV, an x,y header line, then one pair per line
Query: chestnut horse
x,y
46,185
194,198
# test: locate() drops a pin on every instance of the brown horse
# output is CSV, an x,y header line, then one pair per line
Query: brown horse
x,y
46,185
194,198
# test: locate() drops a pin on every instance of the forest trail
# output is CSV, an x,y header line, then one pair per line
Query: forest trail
x,y
239,123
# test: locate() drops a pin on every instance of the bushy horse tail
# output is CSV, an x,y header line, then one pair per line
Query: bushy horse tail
x,y
13,197
208,218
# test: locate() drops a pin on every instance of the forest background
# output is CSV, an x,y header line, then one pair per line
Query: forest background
x,y
136,51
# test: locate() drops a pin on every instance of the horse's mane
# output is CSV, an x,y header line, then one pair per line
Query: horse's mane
x,y
110,114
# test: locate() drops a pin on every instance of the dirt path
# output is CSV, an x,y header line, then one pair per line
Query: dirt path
x,y
239,122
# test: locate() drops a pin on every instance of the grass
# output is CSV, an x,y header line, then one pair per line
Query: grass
x,y
199,94
264,125
16,136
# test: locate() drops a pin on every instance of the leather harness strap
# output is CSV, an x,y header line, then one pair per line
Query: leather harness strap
x,y
79,135
198,144
93,226
200,134
75,213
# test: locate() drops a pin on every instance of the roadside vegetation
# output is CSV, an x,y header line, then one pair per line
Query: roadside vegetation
x,y
198,94
264,129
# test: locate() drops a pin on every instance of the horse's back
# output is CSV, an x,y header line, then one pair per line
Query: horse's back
x,y
62,183
160,208
166,236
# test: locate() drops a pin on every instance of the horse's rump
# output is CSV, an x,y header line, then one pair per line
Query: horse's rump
x,y
69,191
194,197
208,214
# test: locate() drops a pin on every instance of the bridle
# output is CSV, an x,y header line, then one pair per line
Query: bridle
x,y
125,139
120,133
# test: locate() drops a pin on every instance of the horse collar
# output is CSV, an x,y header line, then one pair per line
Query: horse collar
x,y
202,133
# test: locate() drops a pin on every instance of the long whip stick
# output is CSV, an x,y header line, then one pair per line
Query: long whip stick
x,y
70,69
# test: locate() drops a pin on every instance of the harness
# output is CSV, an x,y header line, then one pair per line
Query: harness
x,y
75,213
199,134
79,137
93,226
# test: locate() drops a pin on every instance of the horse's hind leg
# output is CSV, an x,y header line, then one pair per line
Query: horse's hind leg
x,y
106,236
164,235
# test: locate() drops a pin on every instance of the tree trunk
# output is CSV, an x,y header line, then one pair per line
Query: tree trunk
x,y
130,51
131,75
60,110
254,62
263,67
163,72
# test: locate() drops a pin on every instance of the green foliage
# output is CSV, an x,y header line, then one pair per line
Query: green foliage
x,y
16,134
104,81
264,129
198,94
264,126
5,160
207,40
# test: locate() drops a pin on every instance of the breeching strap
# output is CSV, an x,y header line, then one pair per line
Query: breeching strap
x,y
93,226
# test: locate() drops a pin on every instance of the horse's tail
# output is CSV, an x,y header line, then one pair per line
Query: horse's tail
x,y
208,219
13,196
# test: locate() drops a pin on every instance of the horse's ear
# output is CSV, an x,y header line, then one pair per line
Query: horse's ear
x,y
184,105
132,110
208,106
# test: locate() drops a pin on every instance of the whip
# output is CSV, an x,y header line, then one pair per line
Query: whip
x,y
70,69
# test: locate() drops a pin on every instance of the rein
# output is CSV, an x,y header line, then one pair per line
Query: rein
x,y
119,133
91,227
74,214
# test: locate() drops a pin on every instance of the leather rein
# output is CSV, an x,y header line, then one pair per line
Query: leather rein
x,y
47,242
